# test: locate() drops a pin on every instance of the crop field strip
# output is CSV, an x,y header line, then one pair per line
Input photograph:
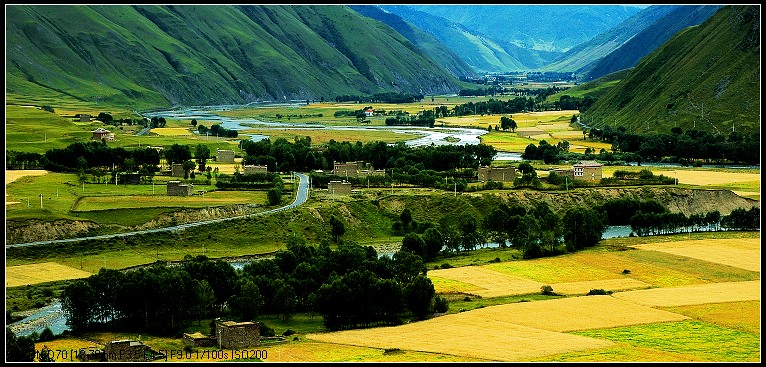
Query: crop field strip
x,y
41,273
742,253
520,326
694,294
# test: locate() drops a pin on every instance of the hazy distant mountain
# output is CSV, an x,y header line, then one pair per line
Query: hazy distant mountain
x,y
555,28
705,77
438,51
481,52
191,54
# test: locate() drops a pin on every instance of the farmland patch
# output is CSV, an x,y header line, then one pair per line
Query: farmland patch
x,y
40,273
744,316
695,294
742,253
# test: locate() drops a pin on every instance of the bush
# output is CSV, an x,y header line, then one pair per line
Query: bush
x,y
598,292
440,304
547,290
626,271
467,299
46,335
446,266
266,331
288,332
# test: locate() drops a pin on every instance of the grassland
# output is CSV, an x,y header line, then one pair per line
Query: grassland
x,y
323,136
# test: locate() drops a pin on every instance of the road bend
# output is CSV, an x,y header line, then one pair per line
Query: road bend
x,y
301,195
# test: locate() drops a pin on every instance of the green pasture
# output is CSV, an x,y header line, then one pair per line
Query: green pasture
x,y
690,340
322,136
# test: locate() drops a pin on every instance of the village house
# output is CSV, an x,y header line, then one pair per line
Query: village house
x,y
253,169
369,112
84,117
587,170
176,188
497,173
224,156
199,340
348,169
339,188
177,170
237,335
102,133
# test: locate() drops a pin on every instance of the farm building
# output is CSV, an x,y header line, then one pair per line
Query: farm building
x,y
369,112
348,169
371,172
253,169
84,117
224,156
199,340
237,335
125,351
339,188
176,188
497,173
587,170
102,133
177,170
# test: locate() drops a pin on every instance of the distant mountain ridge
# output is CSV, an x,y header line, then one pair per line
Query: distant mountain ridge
x,y
483,53
188,54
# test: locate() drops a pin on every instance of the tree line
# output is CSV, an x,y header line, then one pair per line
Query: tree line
x,y
682,146
387,97
654,223
349,286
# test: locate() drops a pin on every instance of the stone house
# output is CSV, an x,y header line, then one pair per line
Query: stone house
x,y
199,340
84,117
253,169
237,335
125,351
177,170
587,170
102,133
497,173
348,169
176,188
339,188
224,156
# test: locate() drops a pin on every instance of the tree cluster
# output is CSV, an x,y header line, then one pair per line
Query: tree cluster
x,y
388,97
682,146
653,223
97,155
217,130
349,286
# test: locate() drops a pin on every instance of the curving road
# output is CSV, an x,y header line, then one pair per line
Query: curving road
x,y
301,196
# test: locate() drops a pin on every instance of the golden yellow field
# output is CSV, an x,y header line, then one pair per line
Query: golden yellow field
x,y
473,334
709,177
744,315
742,253
695,294
322,136
40,273
582,288
488,283
172,131
13,175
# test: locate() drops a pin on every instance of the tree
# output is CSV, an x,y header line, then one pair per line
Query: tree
x,y
248,302
434,241
583,228
406,218
414,243
78,303
525,167
418,295
285,299
194,122
18,349
188,166
274,196
202,154
337,228
204,298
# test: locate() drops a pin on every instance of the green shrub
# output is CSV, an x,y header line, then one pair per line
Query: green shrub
x,y
598,292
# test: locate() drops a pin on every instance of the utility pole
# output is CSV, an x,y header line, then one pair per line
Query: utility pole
x,y
41,201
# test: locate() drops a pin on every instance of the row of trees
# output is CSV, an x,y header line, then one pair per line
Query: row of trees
x,y
653,223
217,130
387,97
683,145
300,156
349,286
424,118
536,231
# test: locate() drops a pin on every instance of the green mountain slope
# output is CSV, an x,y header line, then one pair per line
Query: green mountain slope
x,y
706,77
445,57
157,56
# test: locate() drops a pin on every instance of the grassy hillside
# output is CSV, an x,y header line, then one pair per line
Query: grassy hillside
x,y
595,88
706,77
158,56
